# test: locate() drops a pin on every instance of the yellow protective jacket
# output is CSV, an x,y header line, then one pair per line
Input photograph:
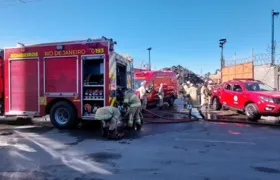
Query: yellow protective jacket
x,y
192,91
132,100
107,112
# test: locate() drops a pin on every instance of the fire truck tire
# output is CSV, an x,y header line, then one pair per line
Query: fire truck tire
x,y
216,104
63,115
251,112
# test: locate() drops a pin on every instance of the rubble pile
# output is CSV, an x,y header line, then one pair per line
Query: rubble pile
x,y
184,75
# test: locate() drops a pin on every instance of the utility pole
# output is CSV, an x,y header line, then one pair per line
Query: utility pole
x,y
149,49
272,38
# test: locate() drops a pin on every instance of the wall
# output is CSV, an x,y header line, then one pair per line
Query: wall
x,y
244,70
216,78
267,74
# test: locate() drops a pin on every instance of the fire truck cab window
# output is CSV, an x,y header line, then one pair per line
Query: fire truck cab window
x,y
121,75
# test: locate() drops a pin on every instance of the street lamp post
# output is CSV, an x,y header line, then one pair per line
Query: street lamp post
x,y
221,45
149,49
272,38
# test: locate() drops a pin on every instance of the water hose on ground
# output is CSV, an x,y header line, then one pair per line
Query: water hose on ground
x,y
242,122
167,119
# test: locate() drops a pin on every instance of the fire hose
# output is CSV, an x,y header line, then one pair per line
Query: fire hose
x,y
168,119
242,122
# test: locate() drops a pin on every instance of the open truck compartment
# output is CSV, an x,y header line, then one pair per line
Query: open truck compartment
x,y
93,84
70,79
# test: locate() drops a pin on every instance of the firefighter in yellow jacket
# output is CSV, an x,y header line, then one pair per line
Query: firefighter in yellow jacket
x,y
110,116
133,102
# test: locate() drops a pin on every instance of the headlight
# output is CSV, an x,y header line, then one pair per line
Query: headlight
x,y
267,99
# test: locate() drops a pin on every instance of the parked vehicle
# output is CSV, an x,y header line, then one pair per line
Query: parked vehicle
x,y
153,80
67,80
250,96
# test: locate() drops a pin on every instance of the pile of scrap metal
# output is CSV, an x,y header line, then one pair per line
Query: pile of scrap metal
x,y
184,75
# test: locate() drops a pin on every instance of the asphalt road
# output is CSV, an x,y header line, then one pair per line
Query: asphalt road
x,y
197,151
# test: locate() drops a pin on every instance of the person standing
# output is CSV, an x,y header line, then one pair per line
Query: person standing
x,y
143,95
186,89
192,92
206,96
202,95
161,95
133,102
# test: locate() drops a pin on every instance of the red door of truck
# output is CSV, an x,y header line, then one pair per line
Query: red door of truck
x,y
24,86
227,94
1,77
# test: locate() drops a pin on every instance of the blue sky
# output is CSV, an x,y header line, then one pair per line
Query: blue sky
x,y
182,32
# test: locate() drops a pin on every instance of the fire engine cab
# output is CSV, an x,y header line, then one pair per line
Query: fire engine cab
x,y
67,80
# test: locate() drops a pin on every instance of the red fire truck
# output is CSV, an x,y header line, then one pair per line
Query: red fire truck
x,y
153,80
67,80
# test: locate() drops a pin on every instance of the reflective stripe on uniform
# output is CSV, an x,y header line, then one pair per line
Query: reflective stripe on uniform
x,y
116,117
102,117
133,97
110,109
136,105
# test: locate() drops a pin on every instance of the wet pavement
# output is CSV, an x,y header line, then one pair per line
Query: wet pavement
x,y
198,150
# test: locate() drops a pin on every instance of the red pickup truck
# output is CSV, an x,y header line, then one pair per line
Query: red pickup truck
x,y
250,96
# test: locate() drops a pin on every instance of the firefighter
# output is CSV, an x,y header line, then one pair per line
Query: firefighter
x,y
205,95
161,95
110,116
143,95
192,99
192,92
133,102
186,90
210,88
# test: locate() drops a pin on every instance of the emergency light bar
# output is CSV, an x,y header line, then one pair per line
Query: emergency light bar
x,y
141,74
59,47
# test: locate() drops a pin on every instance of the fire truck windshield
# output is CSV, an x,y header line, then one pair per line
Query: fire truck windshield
x,y
257,86
137,83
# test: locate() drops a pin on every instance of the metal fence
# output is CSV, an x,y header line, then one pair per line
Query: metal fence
x,y
258,59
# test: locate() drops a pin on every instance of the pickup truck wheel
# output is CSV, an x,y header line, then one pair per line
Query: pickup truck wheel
x,y
63,115
251,112
216,104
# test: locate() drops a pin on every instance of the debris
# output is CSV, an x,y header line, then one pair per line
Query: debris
x,y
183,75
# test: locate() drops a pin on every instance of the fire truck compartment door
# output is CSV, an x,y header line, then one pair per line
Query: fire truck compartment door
x,y
24,86
61,76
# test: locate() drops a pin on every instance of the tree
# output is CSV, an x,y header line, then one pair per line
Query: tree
x,y
207,74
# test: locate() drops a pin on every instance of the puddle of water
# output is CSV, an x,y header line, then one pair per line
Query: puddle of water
x,y
103,156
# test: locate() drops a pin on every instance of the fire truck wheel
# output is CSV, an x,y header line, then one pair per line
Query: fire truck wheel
x,y
251,112
216,104
63,115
